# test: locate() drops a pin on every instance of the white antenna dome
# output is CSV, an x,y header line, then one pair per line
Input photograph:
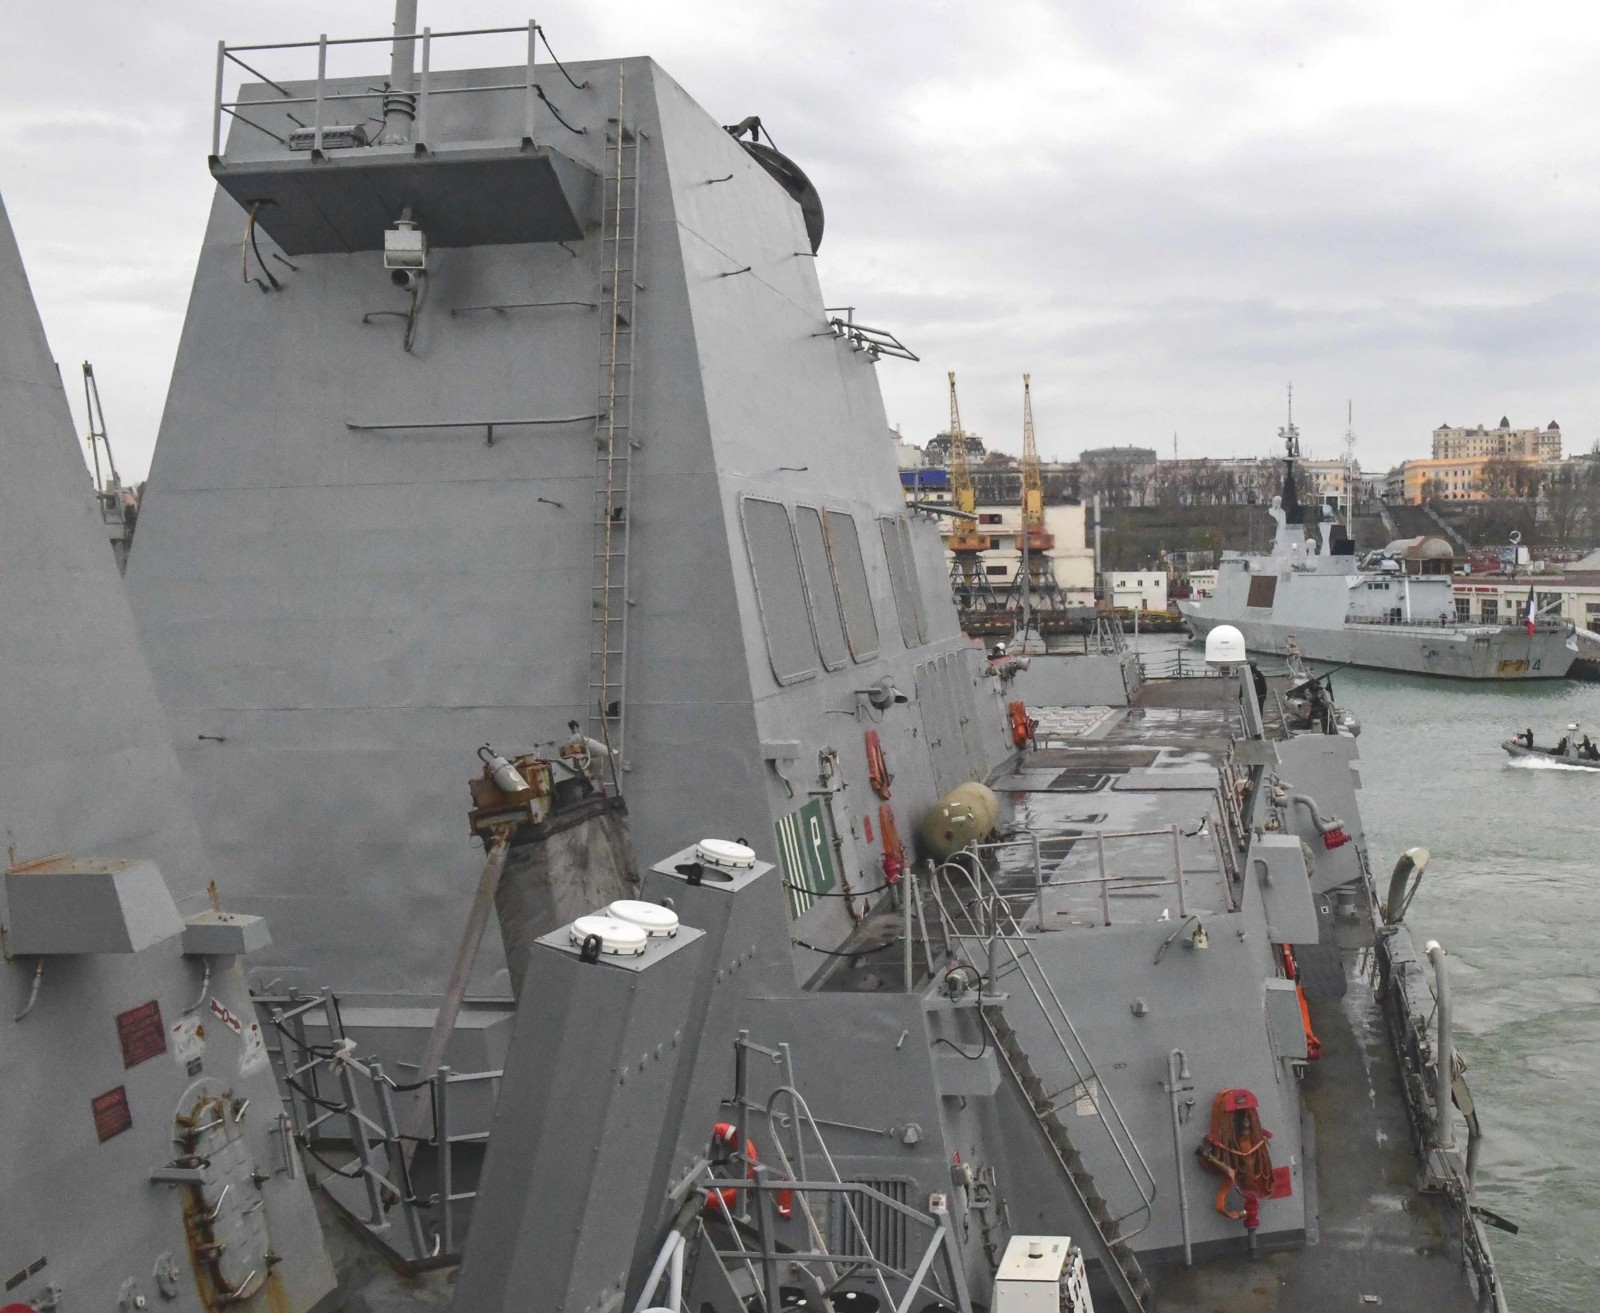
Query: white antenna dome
x,y
1224,646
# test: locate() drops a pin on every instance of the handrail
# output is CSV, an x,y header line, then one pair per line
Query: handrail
x,y
304,1064
1109,883
802,1184
999,935
529,86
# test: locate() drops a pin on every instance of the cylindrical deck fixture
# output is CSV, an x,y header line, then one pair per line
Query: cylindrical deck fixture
x,y
1179,1084
1413,859
1444,1056
400,100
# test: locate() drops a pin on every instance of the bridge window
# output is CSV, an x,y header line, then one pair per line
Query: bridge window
x,y
779,590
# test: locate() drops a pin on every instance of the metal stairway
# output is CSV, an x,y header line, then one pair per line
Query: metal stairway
x,y
614,439
1116,1255
980,926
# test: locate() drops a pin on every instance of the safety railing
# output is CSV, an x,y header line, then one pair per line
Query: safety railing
x,y
1541,624
321,104
1107,637
860,1237
977,922
874,341
328,1094
1175,663
1106,884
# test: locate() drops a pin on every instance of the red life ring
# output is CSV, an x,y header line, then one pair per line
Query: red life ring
x,y
724,1136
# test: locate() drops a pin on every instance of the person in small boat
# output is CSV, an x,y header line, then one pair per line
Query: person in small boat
x,y
1561,748
1526,738
1587,750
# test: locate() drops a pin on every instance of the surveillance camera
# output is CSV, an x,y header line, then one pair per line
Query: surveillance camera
x,y
407,278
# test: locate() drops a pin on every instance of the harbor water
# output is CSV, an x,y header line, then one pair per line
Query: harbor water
x,y
1512,893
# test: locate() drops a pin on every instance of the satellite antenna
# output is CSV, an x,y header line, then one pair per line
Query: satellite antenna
x,y
1289,434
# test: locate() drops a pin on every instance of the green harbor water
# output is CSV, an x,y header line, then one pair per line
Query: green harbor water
x,y
1513,893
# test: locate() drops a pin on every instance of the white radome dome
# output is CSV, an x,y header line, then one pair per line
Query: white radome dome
x,y
1224,646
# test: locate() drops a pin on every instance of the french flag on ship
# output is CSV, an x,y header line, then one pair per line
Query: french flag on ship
x,y
1530,611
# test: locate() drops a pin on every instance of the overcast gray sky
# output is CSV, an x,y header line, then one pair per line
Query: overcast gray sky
x,y
1165,211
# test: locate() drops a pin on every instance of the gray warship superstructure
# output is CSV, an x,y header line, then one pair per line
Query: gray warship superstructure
x,y
528,424
147,1160
1395,610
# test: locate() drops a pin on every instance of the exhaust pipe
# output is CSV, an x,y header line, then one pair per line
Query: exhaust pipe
x,y
1413,860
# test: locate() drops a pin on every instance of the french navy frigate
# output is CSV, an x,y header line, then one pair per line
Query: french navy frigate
x,y
1393,610
940,983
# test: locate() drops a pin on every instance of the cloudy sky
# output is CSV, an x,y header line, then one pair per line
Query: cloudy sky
x,y
1165,211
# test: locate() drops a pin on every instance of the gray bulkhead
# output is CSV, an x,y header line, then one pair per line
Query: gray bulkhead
x,y
353,611
101,1055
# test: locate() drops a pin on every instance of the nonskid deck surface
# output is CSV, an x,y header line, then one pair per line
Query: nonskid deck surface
x,y
1370,1231
1375,1234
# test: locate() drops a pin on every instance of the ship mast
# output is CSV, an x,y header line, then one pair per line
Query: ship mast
x,y
1349,468
1289,435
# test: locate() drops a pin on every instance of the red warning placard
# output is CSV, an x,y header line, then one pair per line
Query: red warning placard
x,y
111,1113
142,1034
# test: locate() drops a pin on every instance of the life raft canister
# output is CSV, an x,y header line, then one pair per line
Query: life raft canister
x,y
1022,725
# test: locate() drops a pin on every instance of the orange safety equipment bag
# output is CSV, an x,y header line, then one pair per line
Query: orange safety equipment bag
x,y
1236,1149
877,768
1022,725
1313,1044
894,853
724,1135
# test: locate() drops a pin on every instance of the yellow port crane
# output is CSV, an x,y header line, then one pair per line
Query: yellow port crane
x,y
968,579
1034,587
1032,484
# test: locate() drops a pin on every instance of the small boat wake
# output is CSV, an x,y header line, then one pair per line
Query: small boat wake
x,y
1545,763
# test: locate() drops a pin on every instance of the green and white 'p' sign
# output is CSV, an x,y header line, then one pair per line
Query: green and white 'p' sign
x,y
803,851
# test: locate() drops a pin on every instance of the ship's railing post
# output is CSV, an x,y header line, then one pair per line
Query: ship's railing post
x,y
527,121
907,893
1105,889
216,106
1177,870
322,76
423,87
1038,880
441,1113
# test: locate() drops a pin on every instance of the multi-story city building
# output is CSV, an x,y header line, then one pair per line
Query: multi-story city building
x,y
1467,478
1454,444
1327,482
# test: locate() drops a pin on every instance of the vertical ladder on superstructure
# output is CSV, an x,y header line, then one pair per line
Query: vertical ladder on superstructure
x,y
614,440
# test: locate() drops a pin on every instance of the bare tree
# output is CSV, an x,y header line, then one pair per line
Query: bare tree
x,y
1505,478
